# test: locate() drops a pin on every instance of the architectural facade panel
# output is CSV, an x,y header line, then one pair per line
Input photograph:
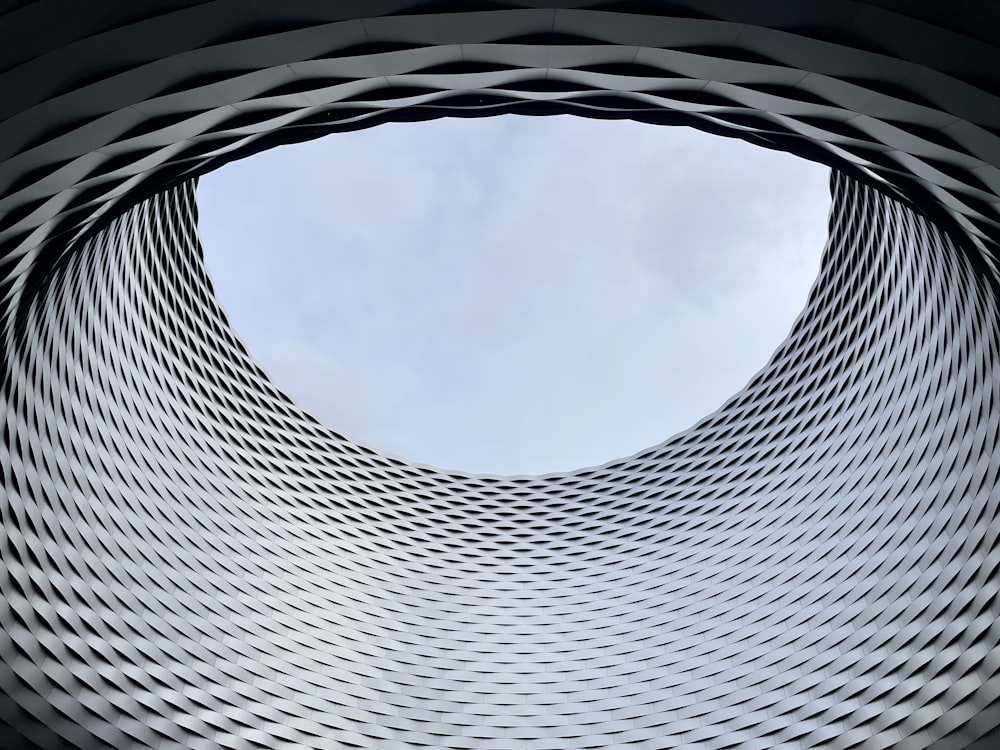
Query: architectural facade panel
x,y
188,560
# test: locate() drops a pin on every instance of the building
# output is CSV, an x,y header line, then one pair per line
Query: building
x,y
188,560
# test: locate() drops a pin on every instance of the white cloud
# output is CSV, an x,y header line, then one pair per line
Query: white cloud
x,y
514,295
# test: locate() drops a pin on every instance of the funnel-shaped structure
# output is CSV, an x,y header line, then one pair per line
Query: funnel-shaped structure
x,y
187,560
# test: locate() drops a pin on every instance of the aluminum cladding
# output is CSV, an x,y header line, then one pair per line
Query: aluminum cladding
x,y
189,560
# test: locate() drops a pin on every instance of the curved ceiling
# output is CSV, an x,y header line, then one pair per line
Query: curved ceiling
x,y
188,560
105,108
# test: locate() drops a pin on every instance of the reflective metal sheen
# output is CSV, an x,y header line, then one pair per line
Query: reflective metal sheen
x,y
188,560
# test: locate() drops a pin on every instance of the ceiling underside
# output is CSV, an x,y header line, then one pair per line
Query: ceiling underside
x,y
189,560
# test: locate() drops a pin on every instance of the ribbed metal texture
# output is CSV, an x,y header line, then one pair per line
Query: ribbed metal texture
x,y
187,560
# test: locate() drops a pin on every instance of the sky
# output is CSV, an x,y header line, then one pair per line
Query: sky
x,y
514,295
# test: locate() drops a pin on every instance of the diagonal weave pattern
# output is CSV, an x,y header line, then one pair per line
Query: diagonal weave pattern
x,y
188,560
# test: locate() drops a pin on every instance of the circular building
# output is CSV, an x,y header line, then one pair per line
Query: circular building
x,y
188,560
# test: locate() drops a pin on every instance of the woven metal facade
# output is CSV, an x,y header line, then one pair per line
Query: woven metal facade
x,y
187,560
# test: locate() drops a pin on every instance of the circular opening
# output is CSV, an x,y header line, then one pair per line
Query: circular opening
x,y
514,295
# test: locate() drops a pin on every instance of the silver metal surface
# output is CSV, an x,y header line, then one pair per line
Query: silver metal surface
x,y
189,560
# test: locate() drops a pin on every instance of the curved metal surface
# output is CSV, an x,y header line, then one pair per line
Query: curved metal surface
x,y
188,560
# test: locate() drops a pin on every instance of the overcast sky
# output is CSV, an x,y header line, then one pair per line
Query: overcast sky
x,y
514,295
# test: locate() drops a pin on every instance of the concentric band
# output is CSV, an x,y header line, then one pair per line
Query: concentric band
x,y
188,560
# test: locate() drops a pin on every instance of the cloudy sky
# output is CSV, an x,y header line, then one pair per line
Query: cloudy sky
x,y
514,295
